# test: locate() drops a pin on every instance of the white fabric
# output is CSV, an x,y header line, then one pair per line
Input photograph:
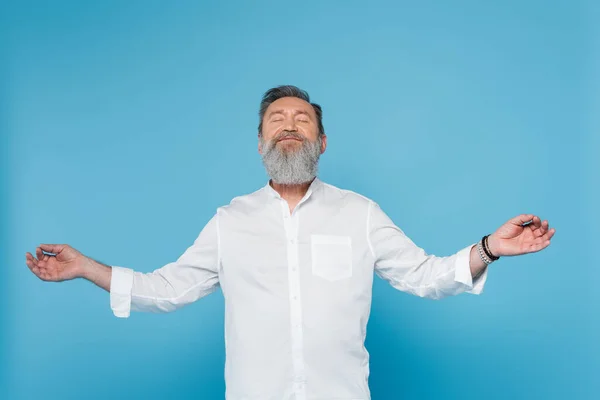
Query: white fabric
x,y
297,288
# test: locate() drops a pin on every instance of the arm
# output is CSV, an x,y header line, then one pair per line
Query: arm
x,y
193,276
97,273
410,269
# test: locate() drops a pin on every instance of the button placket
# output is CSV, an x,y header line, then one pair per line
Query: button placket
x,y
291,230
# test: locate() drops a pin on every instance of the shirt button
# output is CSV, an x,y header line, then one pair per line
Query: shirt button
x,y
292,241
295,297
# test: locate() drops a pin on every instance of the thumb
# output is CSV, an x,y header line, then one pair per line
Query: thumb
x,y
521,219
53,248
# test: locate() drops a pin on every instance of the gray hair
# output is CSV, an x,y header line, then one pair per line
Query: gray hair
x,y
279,92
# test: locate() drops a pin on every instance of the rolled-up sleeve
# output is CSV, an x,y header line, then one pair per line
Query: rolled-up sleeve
x,y
407,267
193,276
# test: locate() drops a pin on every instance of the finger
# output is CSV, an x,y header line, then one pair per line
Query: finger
x,y
541,231
30,265
29,257
34,268
45,257
28,254
521,219
548,235
52,248
41,258
543,241
39,254
537,222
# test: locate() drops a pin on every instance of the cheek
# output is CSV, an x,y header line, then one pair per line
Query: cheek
x,y
271,131
309,127
310,132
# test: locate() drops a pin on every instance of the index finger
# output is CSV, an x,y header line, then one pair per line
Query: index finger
x,y
52,248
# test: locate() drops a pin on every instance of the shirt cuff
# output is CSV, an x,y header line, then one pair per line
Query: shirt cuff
x,y
121,283
462,272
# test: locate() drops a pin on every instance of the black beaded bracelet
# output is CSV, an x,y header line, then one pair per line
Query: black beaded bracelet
x,y
487,250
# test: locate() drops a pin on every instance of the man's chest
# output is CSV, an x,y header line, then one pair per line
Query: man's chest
x,y
323,250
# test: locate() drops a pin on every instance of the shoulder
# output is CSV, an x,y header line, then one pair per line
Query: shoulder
x,y
347,196
245,203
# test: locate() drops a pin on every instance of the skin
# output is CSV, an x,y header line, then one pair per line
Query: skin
x,y
514,239
67,264
295,115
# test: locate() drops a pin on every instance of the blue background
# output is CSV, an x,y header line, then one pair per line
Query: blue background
x,y
124,125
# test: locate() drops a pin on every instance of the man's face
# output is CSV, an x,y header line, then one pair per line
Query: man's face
x,y
290,144
288,122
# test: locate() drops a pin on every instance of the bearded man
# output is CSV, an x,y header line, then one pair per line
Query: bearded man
x,y
295,261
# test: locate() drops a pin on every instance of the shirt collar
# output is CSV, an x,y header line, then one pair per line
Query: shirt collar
x,y
311,189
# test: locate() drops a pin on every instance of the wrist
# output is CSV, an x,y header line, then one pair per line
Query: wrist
x,y
493,247
87,267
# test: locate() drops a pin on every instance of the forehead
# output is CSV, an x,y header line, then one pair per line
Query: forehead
x,y
290,104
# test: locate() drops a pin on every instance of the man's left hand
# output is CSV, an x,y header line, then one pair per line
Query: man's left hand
x,y
513,239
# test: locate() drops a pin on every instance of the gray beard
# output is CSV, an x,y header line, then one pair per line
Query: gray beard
x,y
291,167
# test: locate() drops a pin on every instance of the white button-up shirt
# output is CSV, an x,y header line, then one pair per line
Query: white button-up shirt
x,y
297,288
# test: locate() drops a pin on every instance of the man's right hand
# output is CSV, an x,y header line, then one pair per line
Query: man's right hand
x,y
67,264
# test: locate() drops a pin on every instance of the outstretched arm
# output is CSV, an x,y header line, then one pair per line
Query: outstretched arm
x,y
407,267
192,276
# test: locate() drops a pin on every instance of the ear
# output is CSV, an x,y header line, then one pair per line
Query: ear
x,y
259,147
323,143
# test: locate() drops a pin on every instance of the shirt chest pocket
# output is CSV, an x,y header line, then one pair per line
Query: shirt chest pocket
x,y
331,256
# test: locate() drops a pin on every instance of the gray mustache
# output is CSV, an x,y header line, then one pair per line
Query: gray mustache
x,y
289,134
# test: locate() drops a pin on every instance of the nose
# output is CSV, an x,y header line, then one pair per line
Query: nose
x,y
290,124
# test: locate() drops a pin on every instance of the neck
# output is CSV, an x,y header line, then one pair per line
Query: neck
x,y
291,193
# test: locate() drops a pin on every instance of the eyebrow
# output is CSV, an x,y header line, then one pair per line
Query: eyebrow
x,y
281,111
